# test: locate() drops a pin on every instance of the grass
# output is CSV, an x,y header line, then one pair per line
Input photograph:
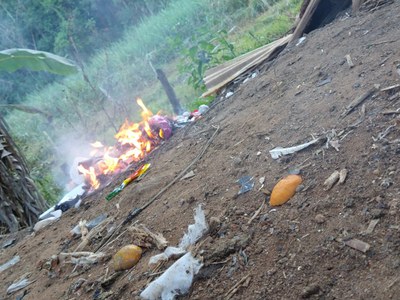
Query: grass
x,y
79,107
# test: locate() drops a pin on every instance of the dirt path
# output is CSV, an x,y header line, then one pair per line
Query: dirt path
x,y
294,251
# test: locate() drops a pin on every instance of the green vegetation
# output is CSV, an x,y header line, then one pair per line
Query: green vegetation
x,y
191,34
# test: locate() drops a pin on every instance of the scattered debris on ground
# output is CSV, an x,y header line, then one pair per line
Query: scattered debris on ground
x,y
330,239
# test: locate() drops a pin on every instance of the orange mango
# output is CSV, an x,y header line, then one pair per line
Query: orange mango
x,y
284,189
127,257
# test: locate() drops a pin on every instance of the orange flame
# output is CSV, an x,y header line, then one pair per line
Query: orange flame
x,y
135,140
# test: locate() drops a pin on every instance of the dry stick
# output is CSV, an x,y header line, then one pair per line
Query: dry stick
x,y
256,213
382,42
123,232
91,234
357,102
181,173
235,288
137,211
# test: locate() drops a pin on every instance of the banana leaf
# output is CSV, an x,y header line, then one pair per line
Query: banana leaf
x,y
12,60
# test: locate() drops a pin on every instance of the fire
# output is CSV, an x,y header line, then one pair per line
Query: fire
x,y
134,142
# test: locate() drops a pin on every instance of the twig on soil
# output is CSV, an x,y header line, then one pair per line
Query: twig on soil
x,y
238,143
197,133
155,271
122,233
392,283
91,234
220,262
389,88
383,134
136,211
155,274
382,42
256,213
243,282
391,112
357,102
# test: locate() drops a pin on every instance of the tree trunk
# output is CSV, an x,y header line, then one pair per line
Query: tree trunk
x,y
169,91
20,201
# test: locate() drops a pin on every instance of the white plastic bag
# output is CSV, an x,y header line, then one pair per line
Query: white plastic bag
x,y
167,254
194,233
44,223
176,280
196,230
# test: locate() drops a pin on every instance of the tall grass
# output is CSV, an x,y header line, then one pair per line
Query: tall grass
x,y
90,105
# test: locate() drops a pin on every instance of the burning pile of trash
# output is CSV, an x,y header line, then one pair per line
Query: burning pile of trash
x,y
134,142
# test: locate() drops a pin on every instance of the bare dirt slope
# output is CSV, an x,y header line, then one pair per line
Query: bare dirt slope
x,y
289,252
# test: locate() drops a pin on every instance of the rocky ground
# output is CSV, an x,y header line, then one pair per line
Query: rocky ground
x,y
302,249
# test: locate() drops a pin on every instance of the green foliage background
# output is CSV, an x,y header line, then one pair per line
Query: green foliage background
x,y
114,50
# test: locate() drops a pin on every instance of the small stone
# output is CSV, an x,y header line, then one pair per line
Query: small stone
x,y
376,213
237,161
271,272
372,226
376,172
394,206
283,260
349,202
386,182
320,218
358,245
310,290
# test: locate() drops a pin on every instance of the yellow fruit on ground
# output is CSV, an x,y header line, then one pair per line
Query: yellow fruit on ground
x,y
284,189
127,257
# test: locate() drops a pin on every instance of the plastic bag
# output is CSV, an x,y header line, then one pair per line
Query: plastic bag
x,y
167,254
176,280
9,263
194,233
196,230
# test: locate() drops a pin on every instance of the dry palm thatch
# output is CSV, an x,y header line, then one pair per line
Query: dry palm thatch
x,y
20,201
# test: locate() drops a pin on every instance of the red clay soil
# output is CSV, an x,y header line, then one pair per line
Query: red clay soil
x,y
297,250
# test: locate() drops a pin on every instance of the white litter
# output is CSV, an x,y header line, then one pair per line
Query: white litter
x,y
194,233
279,151
169,252
23,283
228,94
203,109
44,223
9,263
300,41
176,280
196,230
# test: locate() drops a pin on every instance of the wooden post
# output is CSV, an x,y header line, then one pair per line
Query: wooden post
x,y
169,91
305,20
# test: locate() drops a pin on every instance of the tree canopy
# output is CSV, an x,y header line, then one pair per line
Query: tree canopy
x,y
69,28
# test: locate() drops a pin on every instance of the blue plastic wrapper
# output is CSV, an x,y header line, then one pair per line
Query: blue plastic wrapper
x,y
246,183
